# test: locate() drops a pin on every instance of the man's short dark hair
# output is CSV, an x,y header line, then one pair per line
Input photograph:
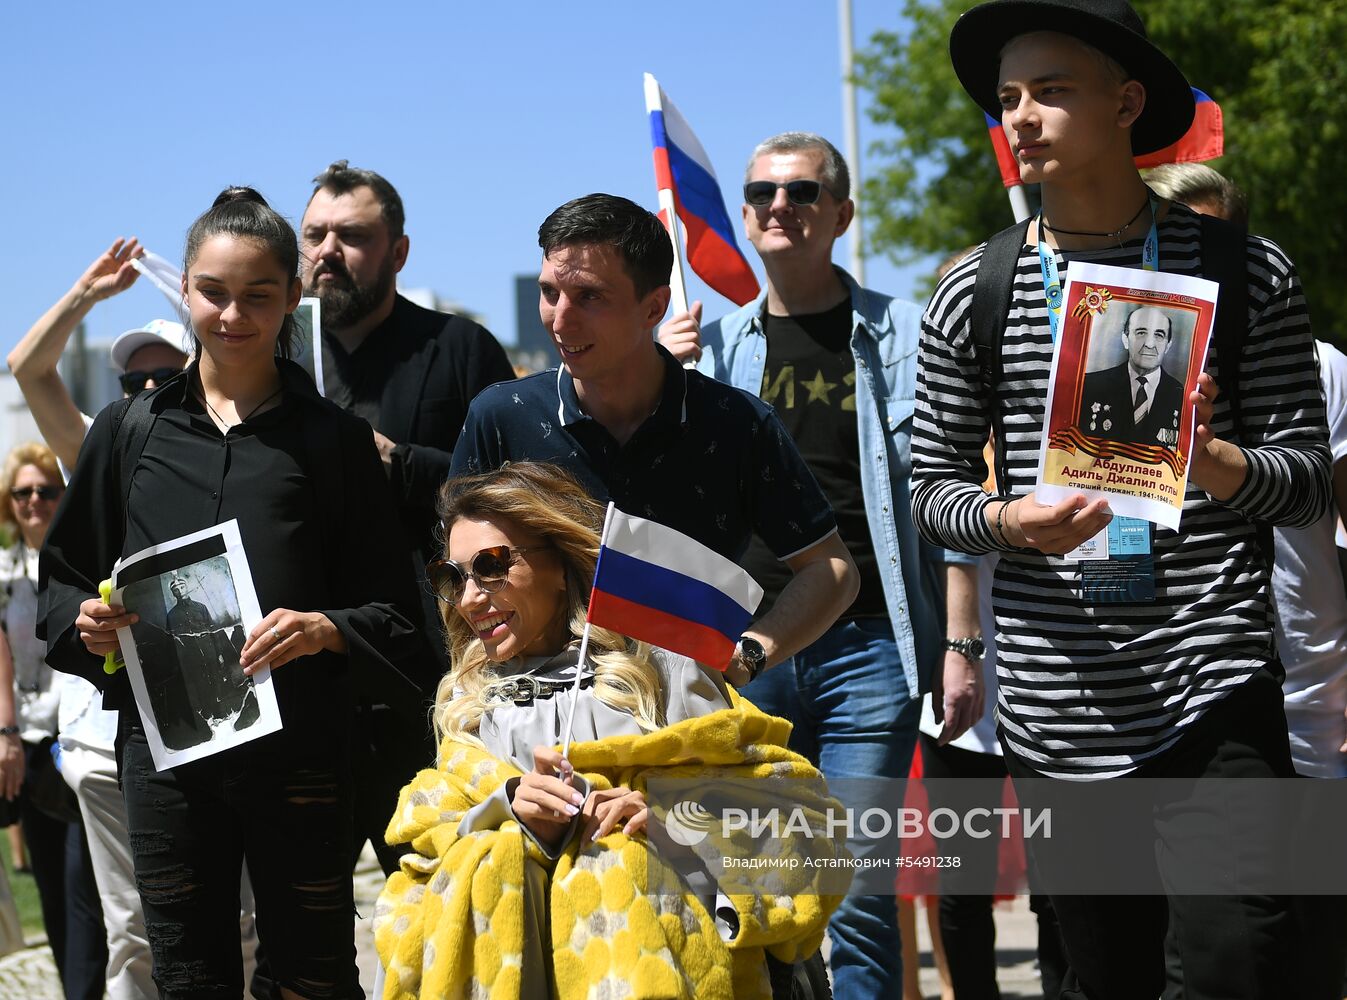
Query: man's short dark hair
x,y
611,221
342,178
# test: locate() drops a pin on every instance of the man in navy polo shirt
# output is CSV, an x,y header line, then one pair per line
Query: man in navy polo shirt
x,y
661,442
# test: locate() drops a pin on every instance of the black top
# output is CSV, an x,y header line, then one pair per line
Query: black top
x,y
263,472
412,378
810,380
712,461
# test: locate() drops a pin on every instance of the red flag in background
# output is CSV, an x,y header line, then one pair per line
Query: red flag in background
x,y
1204,140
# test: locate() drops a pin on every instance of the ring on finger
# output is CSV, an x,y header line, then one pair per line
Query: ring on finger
x,y
279,637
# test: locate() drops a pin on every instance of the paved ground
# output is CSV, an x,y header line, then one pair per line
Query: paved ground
x,y
1016,939
30,974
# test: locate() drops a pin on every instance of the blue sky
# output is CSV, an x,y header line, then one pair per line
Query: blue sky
x,y
129,118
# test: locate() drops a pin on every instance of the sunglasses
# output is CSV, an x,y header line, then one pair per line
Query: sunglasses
x,y
22,493
761,193
134,382
489,569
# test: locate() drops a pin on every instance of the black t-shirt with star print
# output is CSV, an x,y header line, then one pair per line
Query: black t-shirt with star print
x,y
810,380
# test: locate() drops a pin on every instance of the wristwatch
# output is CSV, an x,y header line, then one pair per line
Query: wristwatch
x,y
971,648
750,653
9,730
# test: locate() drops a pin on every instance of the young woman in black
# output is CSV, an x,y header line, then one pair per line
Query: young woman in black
x,y
244,434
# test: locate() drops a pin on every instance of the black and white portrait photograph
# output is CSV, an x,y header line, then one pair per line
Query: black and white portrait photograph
x,y
192,597
1135,370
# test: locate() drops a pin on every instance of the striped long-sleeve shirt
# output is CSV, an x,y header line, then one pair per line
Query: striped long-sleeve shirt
x,y
1088,691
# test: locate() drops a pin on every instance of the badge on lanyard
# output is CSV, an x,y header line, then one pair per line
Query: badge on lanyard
x,y
1127,575
1117,566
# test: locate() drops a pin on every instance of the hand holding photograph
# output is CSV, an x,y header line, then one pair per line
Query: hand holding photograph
x,y
197,603
1119,424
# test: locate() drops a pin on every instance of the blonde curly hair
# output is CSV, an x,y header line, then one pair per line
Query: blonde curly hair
x,y
547,501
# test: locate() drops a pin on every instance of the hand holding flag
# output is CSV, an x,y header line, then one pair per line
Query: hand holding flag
x,y
688,188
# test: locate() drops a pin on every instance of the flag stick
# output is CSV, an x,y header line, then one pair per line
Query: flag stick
x,y
1019,202
584,644
679,299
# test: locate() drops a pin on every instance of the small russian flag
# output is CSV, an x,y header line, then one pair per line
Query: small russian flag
x,y
657,585
1204,140
682,167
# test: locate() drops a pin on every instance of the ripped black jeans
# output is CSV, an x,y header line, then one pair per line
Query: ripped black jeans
x,y
287,811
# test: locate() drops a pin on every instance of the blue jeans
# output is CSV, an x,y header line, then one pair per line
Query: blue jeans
x,y
854,718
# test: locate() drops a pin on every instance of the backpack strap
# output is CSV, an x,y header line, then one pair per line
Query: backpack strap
x,y
989,312
132,420
1224,261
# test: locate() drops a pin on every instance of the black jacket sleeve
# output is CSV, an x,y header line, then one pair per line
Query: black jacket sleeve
x,y
380,615
84,540
476,361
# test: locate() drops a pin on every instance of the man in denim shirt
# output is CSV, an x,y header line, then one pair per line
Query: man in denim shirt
x,y
838,364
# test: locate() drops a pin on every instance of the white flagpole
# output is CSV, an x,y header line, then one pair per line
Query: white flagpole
x,y
1019,202
584,646
679,300
654,101
851,137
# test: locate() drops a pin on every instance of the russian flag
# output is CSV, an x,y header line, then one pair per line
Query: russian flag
x,y
657,585
682,167
1005,156
1204,140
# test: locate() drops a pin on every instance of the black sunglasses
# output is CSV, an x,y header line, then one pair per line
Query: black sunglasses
x,y
22,493
134,382
760,193
489,569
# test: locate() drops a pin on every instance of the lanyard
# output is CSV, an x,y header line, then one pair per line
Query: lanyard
x,y
1052,284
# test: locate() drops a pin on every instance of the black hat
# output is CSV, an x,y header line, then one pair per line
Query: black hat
x,y
1111,26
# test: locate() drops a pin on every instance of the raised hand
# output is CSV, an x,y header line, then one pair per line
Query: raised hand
x,y
681,336
111,273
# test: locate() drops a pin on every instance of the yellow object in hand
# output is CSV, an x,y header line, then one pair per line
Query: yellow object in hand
x,y
110,664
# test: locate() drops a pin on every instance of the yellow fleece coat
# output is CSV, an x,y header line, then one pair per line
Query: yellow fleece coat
x,y
451,922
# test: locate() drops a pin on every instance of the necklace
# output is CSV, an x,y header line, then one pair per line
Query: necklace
x,y
1080,232
226,425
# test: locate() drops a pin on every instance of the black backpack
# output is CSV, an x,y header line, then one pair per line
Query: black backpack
x,y
1223,261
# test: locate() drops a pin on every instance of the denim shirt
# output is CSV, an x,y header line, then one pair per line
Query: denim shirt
x,y
884,345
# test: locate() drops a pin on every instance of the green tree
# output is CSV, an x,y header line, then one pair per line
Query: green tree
x,y
1277,70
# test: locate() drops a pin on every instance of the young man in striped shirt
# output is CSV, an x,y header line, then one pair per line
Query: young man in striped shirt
x,y
1185,685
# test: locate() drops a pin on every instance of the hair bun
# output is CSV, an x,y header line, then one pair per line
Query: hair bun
x,y
238,193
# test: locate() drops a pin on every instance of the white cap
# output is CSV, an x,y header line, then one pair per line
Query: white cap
x,y
156,331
